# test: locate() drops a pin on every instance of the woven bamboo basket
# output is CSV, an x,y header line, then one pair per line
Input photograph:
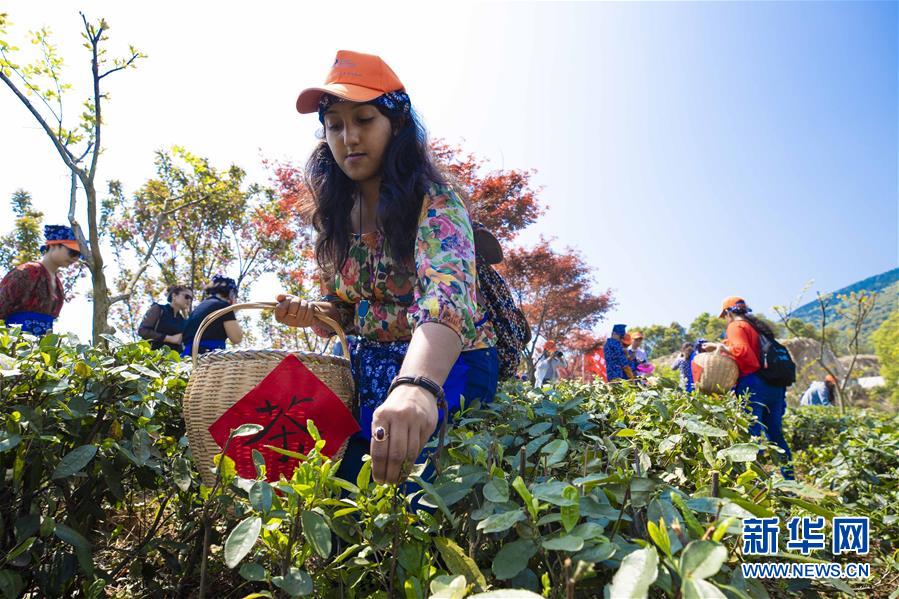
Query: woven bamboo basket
x,y
220,378
719,372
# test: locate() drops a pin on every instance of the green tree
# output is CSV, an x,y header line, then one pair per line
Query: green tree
x,y
41,89
662,340
886,344
706,326
799,328
23,243
214,222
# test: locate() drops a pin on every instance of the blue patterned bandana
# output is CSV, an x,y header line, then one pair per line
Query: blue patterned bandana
x,y
396,103
58,233
227,282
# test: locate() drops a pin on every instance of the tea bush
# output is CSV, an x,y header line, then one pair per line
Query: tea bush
x,y
92,452
856,456
578,490
574,491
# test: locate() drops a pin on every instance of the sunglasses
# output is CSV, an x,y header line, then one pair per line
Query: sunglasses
x,y
74,253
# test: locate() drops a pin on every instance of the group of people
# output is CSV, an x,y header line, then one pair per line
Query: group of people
x,y
32,296
175,325
396,256
625,356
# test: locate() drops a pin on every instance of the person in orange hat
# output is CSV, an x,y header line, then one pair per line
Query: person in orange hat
x,y
820,393
32,295
767,402
396,256
637,347
546,370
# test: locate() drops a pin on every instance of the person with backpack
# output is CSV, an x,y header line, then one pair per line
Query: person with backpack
x,y
397,261
163,324
766,395
221,293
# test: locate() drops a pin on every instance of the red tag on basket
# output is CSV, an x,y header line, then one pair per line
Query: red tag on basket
x,y
281,403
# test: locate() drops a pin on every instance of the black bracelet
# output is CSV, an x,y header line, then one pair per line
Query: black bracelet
x,y
423,382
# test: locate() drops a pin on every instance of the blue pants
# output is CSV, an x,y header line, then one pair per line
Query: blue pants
x,y
474,376
767,404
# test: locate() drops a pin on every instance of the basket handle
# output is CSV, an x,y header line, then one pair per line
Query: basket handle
x,y
316,312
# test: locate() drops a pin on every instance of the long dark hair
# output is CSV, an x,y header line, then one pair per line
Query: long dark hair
x,y
760,325
406,174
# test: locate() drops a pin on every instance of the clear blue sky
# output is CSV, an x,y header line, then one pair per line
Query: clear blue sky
x,y
689,150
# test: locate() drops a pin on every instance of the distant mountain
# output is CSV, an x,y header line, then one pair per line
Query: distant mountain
x,y
886,285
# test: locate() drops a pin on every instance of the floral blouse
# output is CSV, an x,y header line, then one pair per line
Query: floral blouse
x,y
382,300
31,288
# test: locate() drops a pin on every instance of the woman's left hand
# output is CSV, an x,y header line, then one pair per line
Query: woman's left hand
x,y
408,417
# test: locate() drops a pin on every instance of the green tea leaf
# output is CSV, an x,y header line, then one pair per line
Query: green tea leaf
x,y
245,430
458,562
502,521
261,496
571,513
637,572
564,543
512,558
181,474
702,559
74,461
316,531
241,540
521,488
297,583
9,441
497,490
701,428
253,572
741,452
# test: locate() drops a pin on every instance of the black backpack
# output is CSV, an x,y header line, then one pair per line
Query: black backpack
x,y
777,366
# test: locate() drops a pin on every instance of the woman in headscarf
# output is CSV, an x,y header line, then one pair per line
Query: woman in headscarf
x,y
396,253
32,295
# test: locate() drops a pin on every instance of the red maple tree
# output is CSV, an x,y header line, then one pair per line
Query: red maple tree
x,y
555,291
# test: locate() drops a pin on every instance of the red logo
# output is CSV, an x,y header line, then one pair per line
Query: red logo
x,y
282,403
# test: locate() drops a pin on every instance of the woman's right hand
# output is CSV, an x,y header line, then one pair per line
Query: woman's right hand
x,y
294,312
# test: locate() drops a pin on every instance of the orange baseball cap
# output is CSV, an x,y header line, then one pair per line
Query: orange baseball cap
x,y
637,335
830,379
549,345
354,76
730,302
69,243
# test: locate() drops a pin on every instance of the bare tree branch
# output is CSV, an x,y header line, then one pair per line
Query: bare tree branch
x,y
94,39
76,228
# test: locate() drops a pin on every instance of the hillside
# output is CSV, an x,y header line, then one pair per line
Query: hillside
x,y
886,285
